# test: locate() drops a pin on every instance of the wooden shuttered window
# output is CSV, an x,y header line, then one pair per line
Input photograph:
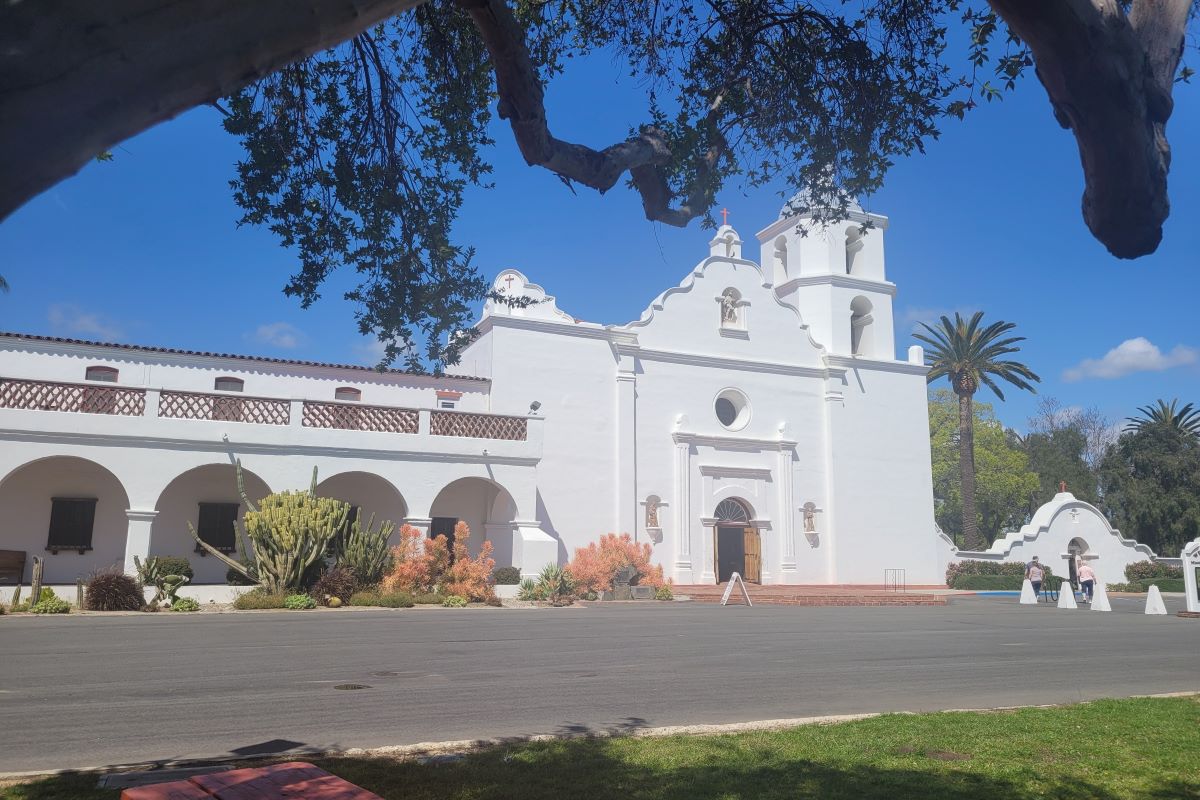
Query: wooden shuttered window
x,y
71,521
216,526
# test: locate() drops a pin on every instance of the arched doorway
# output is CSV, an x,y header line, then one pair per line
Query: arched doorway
x,y
69,510
1077,551
738,546
486,507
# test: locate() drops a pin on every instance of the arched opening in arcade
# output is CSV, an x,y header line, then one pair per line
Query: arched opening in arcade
x,y
486,507
208,498
69,510
368,494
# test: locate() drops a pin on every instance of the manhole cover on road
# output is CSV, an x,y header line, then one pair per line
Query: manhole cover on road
x,y
351,686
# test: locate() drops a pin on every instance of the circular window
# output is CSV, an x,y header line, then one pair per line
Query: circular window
x,y
732,409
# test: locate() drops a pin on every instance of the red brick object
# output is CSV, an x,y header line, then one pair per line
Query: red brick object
x,y
295,780
175,790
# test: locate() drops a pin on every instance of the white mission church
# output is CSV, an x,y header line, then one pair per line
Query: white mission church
x,y
753,419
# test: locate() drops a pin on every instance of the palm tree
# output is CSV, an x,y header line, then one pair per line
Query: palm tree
x,y
1184,420
970,355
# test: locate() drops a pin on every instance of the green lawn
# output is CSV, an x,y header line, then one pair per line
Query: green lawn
x,y
1144,749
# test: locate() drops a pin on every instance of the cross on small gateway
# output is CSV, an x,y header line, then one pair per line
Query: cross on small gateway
x,y
509,279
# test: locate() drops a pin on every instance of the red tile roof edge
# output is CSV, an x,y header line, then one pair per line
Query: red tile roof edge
x,y
261,359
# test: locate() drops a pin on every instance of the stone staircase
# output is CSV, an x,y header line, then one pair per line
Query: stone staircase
x,y
812,595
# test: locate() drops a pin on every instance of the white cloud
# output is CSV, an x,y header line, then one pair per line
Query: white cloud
x,y
279,334
71,319
1130,356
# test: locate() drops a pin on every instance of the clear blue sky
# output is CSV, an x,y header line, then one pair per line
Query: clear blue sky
x,y
145,249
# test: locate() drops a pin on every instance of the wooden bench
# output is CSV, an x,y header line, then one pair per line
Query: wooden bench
x,y
12,567
295,780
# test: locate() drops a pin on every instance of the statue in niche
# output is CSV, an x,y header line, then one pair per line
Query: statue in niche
x,y
729,312
810,517
652,513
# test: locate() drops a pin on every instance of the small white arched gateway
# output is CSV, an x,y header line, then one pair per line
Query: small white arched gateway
x,y
1061,529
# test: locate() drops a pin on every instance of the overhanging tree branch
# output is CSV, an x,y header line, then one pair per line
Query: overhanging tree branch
x,y
643,156
79,76
1109,77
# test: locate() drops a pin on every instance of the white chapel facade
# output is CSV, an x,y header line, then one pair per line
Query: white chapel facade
x,y
753,419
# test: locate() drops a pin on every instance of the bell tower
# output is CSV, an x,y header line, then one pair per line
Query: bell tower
x,y
833,274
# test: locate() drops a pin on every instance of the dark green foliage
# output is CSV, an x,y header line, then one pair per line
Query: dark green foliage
x,y
358,157
185,604
1163,584
1150,481
1185,420
299,602
113,590
382,599
258,599
336,582
976,567
1059,456
664,593
987,582
364,551
1142,571
506,576
428,599
174,565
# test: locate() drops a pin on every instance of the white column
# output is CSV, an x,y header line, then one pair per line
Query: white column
x,y
296,414
626,444
137,537
787,511
681,515
152,397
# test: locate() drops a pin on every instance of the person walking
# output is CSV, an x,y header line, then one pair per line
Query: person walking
x,y
1035,574
1087,581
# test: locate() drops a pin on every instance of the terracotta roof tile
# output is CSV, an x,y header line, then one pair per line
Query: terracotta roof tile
x,y
261,359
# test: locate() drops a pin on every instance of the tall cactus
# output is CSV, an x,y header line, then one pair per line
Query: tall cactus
x,y
150,573
285,534
364,550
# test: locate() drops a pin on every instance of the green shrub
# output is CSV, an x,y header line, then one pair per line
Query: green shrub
x,y
455,601
507,576
987,582
590,595
113,590
664,593
365,599
257,599
1126,587
185,604
528,590
174,565
299,602
396,600
428,599
1142,571
1165,584
51,605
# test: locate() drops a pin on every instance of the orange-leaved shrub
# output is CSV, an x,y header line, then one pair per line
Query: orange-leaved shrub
x,y
595,566
468,577
418,562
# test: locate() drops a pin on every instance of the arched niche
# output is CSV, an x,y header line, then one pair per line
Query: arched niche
x,y
861,327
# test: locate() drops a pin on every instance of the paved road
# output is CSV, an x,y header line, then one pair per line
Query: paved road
x,y
85,692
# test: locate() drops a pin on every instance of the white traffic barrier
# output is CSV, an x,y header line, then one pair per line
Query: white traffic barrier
x,y
1100,597
1066,596
1154,602
1027,595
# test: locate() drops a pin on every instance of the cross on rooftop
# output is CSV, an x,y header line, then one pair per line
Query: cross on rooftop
x,y
724,216
509,279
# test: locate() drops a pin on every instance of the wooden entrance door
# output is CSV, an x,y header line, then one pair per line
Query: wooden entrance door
x,y
731,553
752,547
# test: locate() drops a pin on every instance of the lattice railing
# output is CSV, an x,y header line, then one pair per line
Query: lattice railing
x,y
354,417
224,408
85,398
477,426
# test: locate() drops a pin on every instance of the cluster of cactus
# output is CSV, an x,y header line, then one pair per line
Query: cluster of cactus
x,y
364,550
283,536
166,587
